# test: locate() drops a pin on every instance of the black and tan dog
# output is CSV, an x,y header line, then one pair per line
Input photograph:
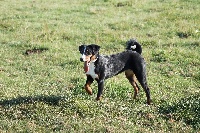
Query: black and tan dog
x,y
99,67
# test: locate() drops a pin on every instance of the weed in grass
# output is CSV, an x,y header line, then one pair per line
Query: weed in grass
x,y
159,57
35,50
183,35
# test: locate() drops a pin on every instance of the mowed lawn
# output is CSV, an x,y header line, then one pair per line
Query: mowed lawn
x,y
42,79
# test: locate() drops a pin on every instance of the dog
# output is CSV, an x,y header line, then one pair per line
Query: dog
x,y
101,67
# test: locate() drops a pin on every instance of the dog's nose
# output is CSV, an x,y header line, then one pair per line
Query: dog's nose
x,y
81,59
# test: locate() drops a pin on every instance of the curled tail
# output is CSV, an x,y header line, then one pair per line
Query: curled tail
x,y
134,46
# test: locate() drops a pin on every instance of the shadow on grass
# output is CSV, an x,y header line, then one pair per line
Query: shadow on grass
x,y
51,100
187,110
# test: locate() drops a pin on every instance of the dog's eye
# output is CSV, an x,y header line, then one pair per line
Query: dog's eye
x,y
87,52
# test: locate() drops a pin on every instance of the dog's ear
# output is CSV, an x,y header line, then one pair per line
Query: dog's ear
x,y
81,48
95,48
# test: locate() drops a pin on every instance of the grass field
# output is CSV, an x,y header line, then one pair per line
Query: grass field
x,y
41,77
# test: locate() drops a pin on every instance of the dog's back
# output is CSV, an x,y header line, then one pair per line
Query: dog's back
x,y
134,46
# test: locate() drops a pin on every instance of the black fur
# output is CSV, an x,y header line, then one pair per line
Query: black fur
x,y
138,49
109,66
133,42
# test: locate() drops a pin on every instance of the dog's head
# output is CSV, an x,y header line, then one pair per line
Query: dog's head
x,y
89,52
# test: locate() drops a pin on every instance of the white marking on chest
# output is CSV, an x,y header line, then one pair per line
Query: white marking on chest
x,y
91,70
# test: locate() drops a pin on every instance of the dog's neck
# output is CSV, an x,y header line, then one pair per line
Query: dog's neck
x,y
92,66
92,61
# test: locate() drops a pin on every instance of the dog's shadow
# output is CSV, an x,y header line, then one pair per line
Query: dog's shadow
x,y
51,100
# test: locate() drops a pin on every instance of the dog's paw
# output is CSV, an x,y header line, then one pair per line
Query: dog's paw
x,y
98,98
88,90
149,101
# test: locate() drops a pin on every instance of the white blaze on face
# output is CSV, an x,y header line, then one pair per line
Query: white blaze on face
x,y
83,56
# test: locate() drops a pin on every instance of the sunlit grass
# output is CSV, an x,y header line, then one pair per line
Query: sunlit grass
x,y
41,77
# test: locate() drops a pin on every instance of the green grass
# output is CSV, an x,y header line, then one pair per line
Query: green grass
x,y
42,91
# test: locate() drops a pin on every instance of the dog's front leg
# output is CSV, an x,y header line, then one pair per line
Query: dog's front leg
x,y
87,87
100,89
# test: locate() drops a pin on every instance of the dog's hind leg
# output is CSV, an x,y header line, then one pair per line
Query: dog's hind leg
x,y
141,77
87,87
132,79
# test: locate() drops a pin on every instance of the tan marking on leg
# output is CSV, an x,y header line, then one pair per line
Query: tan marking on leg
x,y
132,79
88,88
